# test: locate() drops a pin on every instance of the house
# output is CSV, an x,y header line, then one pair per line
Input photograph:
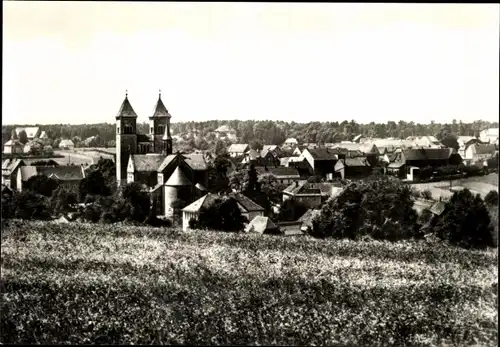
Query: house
x,y
426,141
397,169
225,132
43,135
307,219
464,142
274,149
66,144
66,176
248,208
281,174
353,168
13,147
262,158
312,195
290,142
489,135
321,160
10,167
354,150
418,158
479,153
290,228
297,151
262,225
237,149
358,138
303,167
31,132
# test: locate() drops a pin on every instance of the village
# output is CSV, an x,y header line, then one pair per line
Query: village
x,y
306,173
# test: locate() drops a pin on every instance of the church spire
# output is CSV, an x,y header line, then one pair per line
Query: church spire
x,y
160,111
126,110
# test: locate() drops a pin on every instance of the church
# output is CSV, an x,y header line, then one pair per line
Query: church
x,y
149,160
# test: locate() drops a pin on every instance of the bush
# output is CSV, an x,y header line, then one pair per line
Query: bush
x,y
381,208
465,221
291,210
491,198
223,214
193,224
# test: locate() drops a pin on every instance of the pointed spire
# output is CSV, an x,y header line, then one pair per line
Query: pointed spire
x,y
126,110
160,111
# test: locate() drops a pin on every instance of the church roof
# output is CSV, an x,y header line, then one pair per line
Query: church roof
x,y
204,201
178,179
126,110
196,161
160,110
147,162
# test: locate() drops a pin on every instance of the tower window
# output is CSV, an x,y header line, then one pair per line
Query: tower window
x,y
160,128
117,130
152,130
128,129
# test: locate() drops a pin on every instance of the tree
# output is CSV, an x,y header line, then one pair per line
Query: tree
x,y
62,199
491,198
23,137
93,184
465,221
139,201
217,174
30,205
381,208
177,206
450,141
41,184
291,210
223,215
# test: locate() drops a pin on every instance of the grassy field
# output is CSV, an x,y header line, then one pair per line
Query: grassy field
x,y
107,284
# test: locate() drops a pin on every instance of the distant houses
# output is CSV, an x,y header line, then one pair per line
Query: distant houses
x,y
478,153
225,132
312,195
31,132
489,136
13,147
67,144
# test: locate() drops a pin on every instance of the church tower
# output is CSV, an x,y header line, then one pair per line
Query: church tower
x,y
159,128
126,138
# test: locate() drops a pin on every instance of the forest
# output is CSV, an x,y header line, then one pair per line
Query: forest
x,y
267,132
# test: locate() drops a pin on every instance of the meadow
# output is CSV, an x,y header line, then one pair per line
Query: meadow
x,y
84,283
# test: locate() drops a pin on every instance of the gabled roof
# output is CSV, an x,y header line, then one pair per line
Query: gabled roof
x,y
238,148
205,201
13,143
253,154
146,162
357,162
196,161
245,202
323,153
428,153
166,162
362,147
178,179
62,173
30,131
270,147
438,208
304,188
126,110
66,142
291,140
279,172
43,135
225,128
26,172
143,138
480,148
160,111
260,225
9,165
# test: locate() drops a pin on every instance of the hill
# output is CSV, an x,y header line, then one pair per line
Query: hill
x,y
78,283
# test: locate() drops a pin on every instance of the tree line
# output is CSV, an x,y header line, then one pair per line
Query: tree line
x,y
268,132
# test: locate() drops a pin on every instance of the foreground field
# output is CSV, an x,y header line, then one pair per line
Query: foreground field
x,y
109,284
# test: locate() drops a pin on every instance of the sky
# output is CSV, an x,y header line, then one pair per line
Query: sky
x,y
71,62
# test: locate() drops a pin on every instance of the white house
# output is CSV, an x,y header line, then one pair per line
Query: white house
x,y
31,132
66,144
479,152
13,147
290,142
489,135
237,149
225,131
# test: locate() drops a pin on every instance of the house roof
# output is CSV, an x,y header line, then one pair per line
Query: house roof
x,y
480,148
291,140
270,147
43,135
204,201
438,208
143,138
13,143
323,153
196,161
284,161
30,131
126,110
395,165
428,153
302,187
245,202
362,147
147,162
160,111
26,172
178,179
260,224
9,165
357,162
225,128
253,154
308,217
464,140
279,172
238,148
490,132
66,142
62,173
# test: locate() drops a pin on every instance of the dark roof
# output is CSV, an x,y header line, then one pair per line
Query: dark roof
x,y
166,162
126,110
355,162
160,111
147,162
205,201
196,161
279,171
323,153
428,153
63,173
484,148
304,188
9,165
247,204
143,138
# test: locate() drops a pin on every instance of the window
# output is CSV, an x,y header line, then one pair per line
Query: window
x,y
128,129
152,130
117,130
160,128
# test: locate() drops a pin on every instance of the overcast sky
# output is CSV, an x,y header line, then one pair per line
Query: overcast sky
x,y
71,62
